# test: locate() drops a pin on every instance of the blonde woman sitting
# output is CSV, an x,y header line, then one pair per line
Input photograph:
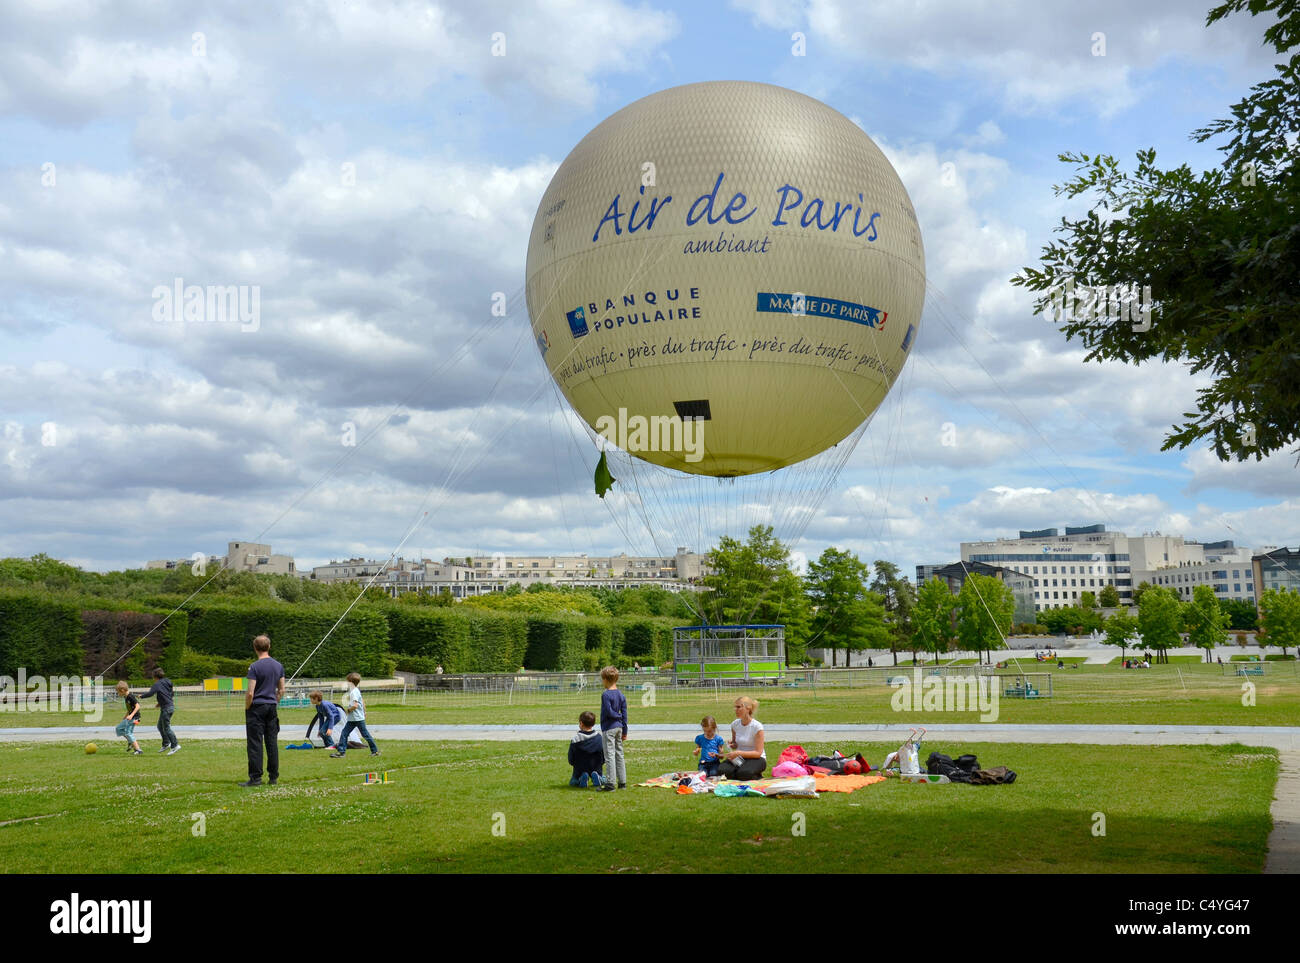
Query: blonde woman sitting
x,y
746,760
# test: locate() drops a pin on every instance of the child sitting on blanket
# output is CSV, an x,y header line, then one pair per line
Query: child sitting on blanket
x,y
586,753
709,746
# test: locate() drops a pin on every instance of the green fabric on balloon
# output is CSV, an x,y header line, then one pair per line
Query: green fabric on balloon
x,y
604,480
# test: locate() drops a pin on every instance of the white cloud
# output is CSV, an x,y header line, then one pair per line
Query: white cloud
x,y
1038,56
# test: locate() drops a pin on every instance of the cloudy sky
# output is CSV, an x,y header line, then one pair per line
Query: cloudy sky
x,y
373,170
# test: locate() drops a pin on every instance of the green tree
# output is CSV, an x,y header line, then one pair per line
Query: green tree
x,y
1281,618
1070,619
752,581
900,599
847,615
1219,251
1120,627
1241,614
985,607
1087,600
1204,620
1137,592
1160,621
1109,598
932,628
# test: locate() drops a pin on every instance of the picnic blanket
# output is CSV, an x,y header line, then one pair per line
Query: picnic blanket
x,y
804,787
670,780
846,783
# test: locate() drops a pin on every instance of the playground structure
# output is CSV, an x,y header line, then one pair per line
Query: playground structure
x,y
1026,685
728,653
224,683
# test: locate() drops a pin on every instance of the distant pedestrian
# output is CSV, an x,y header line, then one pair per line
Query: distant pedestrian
x,y
261,720
162,689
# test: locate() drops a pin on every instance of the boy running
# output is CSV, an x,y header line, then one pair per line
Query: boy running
x,y
355,707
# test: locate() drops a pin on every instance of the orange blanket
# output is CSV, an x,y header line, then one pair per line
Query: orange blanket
x,y
846,783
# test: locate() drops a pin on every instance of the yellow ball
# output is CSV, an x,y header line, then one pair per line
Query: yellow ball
x,y
91,748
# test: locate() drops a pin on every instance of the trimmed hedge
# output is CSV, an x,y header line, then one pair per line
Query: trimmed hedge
x,y
556,643
438,634
39,634
498,642
357,645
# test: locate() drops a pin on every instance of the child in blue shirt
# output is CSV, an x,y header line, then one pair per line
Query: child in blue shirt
x,y
709,746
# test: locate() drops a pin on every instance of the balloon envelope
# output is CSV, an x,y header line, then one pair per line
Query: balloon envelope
x,y
734,254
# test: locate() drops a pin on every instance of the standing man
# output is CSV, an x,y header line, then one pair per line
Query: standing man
x,y
265,690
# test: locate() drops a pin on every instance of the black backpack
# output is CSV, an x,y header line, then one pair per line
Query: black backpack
x,y
940,765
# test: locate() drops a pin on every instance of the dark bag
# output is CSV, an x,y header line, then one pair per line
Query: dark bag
x,y
997,776
940,765
834,764
968,763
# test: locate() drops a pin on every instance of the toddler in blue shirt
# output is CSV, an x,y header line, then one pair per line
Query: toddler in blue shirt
x,y
709,746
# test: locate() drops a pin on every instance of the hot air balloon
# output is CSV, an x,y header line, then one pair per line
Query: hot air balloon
x,y
725,278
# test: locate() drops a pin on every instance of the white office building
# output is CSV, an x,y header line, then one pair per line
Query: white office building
x,y
1226,569
1085,559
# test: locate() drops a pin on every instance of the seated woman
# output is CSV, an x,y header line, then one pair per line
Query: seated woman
x,y
746,760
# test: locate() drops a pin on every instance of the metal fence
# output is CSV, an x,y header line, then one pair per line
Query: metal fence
x,y
655,687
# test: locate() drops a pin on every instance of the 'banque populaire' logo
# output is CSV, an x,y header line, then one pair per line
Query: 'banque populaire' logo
x,y
577,322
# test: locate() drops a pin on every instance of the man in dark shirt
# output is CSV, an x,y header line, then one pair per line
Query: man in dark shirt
x,y
162,688
265,690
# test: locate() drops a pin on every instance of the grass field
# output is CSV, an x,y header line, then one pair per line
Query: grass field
x,y
1197,809
1164,695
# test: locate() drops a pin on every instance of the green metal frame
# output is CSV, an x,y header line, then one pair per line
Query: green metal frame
x,y
704,653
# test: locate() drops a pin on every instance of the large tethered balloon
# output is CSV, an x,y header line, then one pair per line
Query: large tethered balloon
x,y
730,251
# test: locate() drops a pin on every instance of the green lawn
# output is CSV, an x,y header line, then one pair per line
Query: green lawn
x,y
1176,809
1178,694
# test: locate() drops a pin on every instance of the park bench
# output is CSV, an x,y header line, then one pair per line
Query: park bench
x,y
1251,670
1021,692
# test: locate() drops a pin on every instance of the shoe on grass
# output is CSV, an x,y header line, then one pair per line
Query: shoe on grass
x,y
596,781
337,755
622,785
251,783
608,787
174,749
163,749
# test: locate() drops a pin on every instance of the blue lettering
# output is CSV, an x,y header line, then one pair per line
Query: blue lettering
x,y
782,206
813,214
709,198
736,205
656,205
612,213
871,224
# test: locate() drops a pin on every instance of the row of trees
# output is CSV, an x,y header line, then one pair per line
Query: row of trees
x,y
1162,618
842,603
